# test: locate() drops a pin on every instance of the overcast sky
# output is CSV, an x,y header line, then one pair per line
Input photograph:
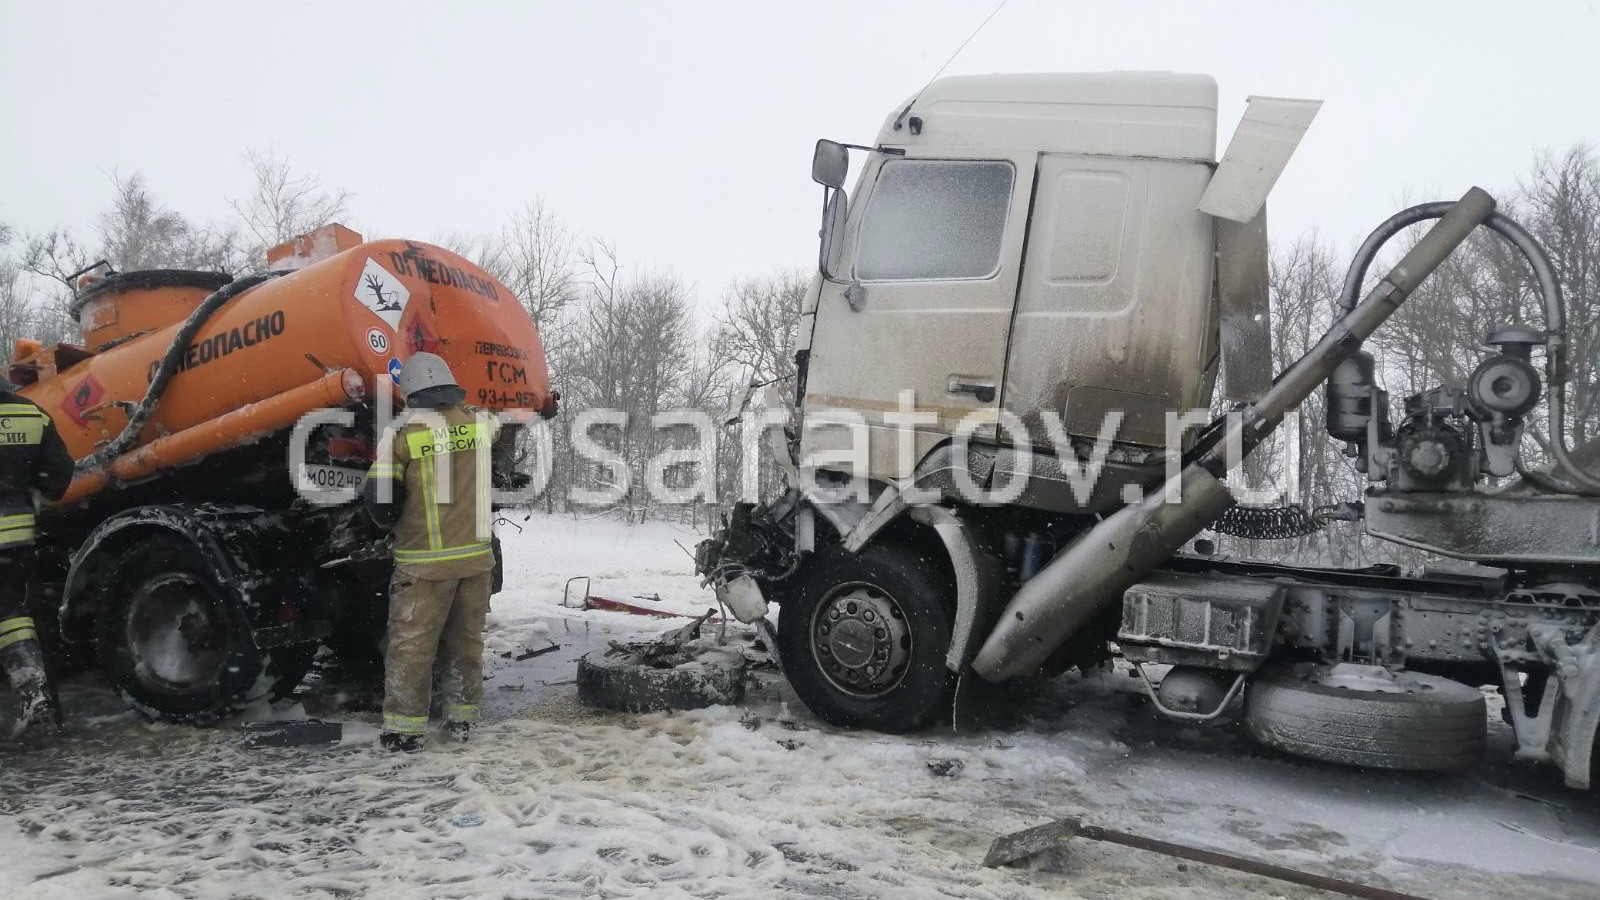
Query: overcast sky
x,y
683,130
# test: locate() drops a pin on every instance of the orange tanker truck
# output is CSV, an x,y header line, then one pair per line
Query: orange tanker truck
x,y
211,541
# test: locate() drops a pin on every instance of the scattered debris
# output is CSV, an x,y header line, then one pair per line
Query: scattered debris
x,y
946,768
764,647
292,733
666,651
678,670
1010,848
567,588
530,654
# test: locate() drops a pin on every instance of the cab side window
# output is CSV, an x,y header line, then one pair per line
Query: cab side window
x,y
934,219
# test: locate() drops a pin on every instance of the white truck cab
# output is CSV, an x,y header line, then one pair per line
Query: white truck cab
x,y
1025,243
1032,273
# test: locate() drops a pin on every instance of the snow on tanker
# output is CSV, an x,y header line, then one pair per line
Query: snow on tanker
x,y
197,560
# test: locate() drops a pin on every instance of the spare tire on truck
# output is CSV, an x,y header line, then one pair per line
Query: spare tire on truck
x,y
1367,716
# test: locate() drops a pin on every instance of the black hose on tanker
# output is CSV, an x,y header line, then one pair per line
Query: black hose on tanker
x,y
1555,320
168,367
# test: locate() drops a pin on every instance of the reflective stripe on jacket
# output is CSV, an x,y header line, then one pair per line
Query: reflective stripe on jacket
x,y
441,459
33,458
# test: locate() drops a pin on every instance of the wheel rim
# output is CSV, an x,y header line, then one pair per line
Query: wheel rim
x,y
176,634
860,640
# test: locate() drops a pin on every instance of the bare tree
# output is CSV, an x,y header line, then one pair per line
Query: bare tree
x,y
283,205
632,350
760,322
1560,203
754,341
138,232
16,303
49,259
536,256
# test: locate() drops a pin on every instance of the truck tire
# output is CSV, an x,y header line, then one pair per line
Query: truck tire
x,y
863,638
625,684
1418,722
176,649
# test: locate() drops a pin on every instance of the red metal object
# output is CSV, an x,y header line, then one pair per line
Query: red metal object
x,y
619,606
592,602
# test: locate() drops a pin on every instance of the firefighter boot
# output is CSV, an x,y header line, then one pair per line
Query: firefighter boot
x,y
458,732
36,703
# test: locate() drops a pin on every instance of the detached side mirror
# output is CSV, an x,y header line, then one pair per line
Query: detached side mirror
x,y
739,401
832,245
830,164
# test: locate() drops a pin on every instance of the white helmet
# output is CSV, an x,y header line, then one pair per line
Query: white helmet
x,y
424,371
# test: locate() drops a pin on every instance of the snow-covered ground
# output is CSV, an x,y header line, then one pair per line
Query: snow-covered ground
x,y
556,800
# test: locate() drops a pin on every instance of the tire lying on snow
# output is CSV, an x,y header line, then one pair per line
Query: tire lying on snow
x,y
1366,716
627,683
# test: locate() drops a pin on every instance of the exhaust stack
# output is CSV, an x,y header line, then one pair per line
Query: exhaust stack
x,y
1124,548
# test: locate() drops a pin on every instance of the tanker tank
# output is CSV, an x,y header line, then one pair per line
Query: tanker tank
x,y
327,333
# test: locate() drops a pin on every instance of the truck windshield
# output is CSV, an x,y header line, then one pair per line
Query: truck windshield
x,y
934,219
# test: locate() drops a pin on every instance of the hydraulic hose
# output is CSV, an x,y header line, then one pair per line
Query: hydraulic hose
x,y
1555,315
167,369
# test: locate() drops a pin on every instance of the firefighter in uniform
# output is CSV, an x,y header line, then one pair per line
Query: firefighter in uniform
x,y
431,484
34,464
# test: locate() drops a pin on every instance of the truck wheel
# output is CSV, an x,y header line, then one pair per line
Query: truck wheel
x,y
863,639
1370,718
175,648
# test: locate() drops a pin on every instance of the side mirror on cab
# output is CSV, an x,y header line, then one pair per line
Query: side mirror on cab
x,y
830,164
833,213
